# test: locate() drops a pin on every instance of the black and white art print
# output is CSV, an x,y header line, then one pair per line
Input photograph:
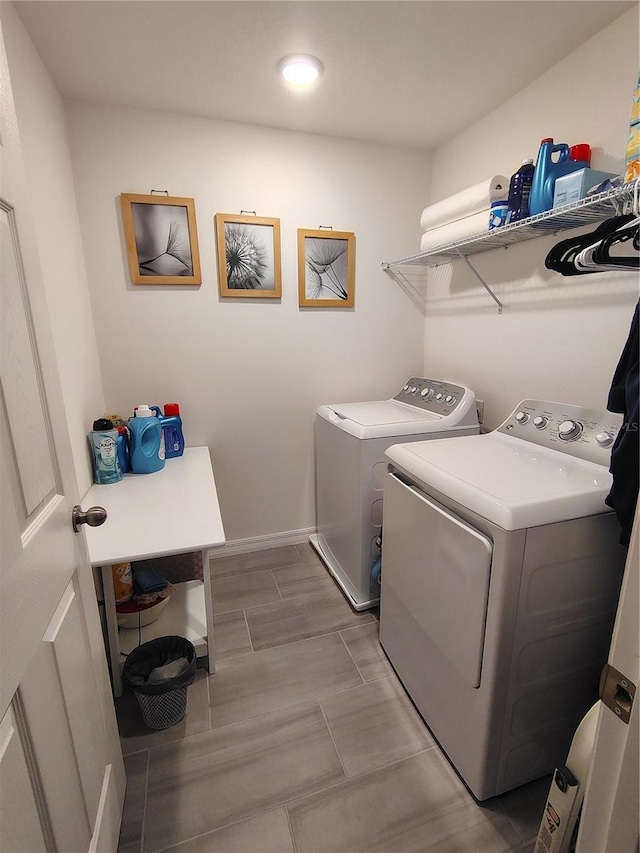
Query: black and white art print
x,y
248,256
326,269
161,237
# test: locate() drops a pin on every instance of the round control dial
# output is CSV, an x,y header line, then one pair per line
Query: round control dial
x,y
604,439
522,417
426,393
569,430
439,396
540,422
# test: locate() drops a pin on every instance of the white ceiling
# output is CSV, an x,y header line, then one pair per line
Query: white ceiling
x,y
409,73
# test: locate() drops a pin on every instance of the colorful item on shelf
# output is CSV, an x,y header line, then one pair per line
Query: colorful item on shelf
x,y
632,160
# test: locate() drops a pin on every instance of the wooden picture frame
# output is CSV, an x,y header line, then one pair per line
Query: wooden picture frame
x,y
326,268
161,238
248,256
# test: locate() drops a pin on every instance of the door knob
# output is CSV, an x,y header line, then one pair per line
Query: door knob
x,y
94,516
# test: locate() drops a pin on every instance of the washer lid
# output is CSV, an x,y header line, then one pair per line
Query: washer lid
x,y
506,480
382,419
382,413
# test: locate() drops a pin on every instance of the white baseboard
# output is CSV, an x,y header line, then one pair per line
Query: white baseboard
x,y
262,543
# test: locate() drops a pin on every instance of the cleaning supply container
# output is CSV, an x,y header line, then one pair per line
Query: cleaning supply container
x,y
147,441
519,191
103,442
172,429
547,170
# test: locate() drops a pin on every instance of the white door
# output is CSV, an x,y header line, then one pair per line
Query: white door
x,y
609,821
61,771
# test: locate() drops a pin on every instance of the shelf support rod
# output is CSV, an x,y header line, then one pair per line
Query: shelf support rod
x,y
481,280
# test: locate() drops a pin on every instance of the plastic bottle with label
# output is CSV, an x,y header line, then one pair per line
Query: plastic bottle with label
x,y
147,441
519,191
171,429
547,171
103,442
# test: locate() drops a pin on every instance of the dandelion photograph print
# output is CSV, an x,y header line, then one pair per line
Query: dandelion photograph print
x,y
248,256
161,238
326,268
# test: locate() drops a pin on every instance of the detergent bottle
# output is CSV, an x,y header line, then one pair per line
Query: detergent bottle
x,y
519,191
147,441
103,444
171,429
546,172
172,426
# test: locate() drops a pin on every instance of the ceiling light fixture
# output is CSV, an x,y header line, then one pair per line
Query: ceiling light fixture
x,y
300,70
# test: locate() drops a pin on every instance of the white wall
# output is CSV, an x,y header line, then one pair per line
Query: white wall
x,y
248,374
559,338
44,141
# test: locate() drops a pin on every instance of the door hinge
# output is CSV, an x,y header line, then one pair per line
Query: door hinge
x,y
617,692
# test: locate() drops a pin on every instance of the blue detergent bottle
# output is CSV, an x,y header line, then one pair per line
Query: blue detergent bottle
x,y
147,441
171,429
173,434
546,172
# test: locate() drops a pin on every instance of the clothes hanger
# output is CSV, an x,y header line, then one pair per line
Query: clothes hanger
x,y
562,256
598,257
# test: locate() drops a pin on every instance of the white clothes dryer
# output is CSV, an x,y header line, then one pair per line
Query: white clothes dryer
x,y
501,570
350,441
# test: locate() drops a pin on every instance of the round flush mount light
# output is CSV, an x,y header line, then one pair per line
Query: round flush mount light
x,y
300,69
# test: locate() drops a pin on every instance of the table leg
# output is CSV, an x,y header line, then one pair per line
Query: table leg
x,y
208,608
112,628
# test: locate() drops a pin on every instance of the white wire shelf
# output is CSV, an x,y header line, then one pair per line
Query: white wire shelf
x,y
574,215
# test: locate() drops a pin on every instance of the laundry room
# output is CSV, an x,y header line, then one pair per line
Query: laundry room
x,y
117,98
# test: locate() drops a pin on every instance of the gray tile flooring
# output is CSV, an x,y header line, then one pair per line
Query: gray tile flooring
x,y
303,741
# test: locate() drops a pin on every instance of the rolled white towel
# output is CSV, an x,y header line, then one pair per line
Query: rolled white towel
x,y
465,203
454,231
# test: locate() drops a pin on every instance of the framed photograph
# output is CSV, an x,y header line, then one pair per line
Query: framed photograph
x,y
248,256
326,268
161,238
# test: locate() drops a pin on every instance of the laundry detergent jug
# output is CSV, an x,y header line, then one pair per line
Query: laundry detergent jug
x,y
147,442
548,169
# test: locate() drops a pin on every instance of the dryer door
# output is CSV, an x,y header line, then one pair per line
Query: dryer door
x,y
437,567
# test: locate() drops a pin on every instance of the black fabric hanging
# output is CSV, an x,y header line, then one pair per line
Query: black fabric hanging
x,y
624,398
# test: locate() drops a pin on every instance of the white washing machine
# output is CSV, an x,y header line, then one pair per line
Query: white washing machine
x,y
350,441
501,573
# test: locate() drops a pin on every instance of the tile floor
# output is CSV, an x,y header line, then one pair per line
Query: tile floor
x,y
303,741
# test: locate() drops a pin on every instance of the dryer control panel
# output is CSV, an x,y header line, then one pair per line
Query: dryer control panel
x,y
432,395
583,433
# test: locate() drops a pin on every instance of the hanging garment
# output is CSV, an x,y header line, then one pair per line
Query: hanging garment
x,y
624,398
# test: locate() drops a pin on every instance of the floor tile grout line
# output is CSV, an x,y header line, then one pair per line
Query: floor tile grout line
x,y
333,740
221,827
144,803
246,624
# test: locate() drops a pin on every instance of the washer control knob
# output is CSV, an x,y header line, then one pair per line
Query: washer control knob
x,y
604,439
522,418
413,389
426,393
540,422
406,388
439,396
448,398
569,430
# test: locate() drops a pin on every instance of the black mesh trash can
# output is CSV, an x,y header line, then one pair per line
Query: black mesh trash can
x,y
162,704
